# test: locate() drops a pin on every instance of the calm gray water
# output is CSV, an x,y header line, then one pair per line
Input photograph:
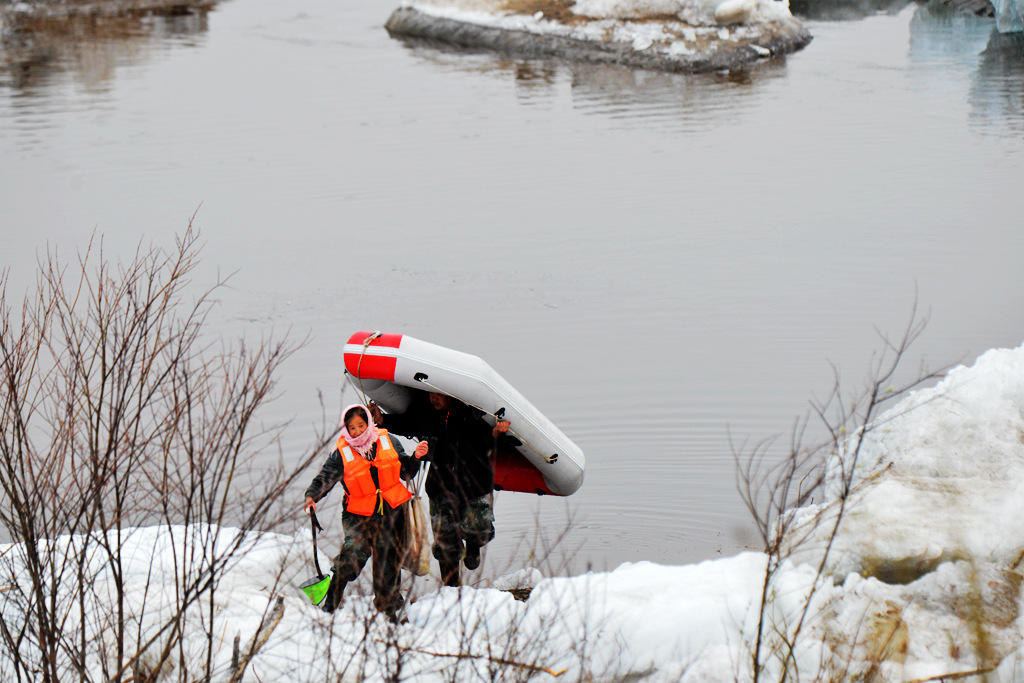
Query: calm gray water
x,y
655,261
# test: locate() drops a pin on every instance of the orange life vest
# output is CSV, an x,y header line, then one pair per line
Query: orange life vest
x,y
362,494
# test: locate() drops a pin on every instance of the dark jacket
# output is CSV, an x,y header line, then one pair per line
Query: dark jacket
x,y
333,471
460,447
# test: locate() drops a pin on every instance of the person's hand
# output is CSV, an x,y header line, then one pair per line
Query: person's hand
x,y
376,414
501,426
309,505
421,449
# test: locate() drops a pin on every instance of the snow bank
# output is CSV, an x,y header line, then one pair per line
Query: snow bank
x,y
939,477
939,482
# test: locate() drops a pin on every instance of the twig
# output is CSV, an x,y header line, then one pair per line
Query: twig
x,y
259,639
470,655
954,676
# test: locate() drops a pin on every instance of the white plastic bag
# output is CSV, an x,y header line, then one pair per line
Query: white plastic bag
x,y
416,549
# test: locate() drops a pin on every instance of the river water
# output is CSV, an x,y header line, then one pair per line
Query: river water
x,y
660,263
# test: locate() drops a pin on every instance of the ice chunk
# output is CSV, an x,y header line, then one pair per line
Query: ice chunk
x,y
1009,15
735,11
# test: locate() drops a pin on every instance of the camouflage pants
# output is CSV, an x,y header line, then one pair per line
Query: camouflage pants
x,y
454,522
375,535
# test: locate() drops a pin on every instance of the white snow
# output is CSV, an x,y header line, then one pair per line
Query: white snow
x,y
644,24
939,488
944,469
640,9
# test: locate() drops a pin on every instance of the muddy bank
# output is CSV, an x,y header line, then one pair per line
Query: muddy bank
x,y
88,39
22,14
679,42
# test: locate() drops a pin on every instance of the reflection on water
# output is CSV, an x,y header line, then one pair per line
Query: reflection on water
x,y
673,100
687,100
944,36
36,52
945,39
997,91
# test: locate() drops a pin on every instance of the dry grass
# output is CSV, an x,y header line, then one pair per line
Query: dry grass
x,y
561,11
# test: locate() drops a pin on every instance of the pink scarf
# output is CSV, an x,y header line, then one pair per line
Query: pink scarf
x,y
364,442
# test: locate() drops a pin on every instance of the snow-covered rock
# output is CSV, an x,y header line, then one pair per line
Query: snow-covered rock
x,y
669,35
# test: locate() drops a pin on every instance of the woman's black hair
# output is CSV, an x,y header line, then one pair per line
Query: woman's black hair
x,y
356,410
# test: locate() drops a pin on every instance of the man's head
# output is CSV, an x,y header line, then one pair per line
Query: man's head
x,y
440,401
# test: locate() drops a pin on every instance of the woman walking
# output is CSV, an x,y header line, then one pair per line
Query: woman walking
x,y
370,467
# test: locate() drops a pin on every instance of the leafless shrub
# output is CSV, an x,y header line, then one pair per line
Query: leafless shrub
x,y
117,413
127,430
773,488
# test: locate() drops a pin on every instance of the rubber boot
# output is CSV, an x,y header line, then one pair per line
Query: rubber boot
x,y
472,558
334,597
449,572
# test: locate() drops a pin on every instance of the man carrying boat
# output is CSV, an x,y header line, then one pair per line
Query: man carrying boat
x,y
460,483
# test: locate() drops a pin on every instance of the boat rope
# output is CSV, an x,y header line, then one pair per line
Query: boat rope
x,y
359,374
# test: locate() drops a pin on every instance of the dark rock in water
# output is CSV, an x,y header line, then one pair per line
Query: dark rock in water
x,y
701,49
982,8
845,10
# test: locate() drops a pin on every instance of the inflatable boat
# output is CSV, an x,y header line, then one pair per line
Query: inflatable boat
x,y
388,368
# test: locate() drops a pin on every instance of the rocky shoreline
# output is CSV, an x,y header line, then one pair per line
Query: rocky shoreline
x,y
54,10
